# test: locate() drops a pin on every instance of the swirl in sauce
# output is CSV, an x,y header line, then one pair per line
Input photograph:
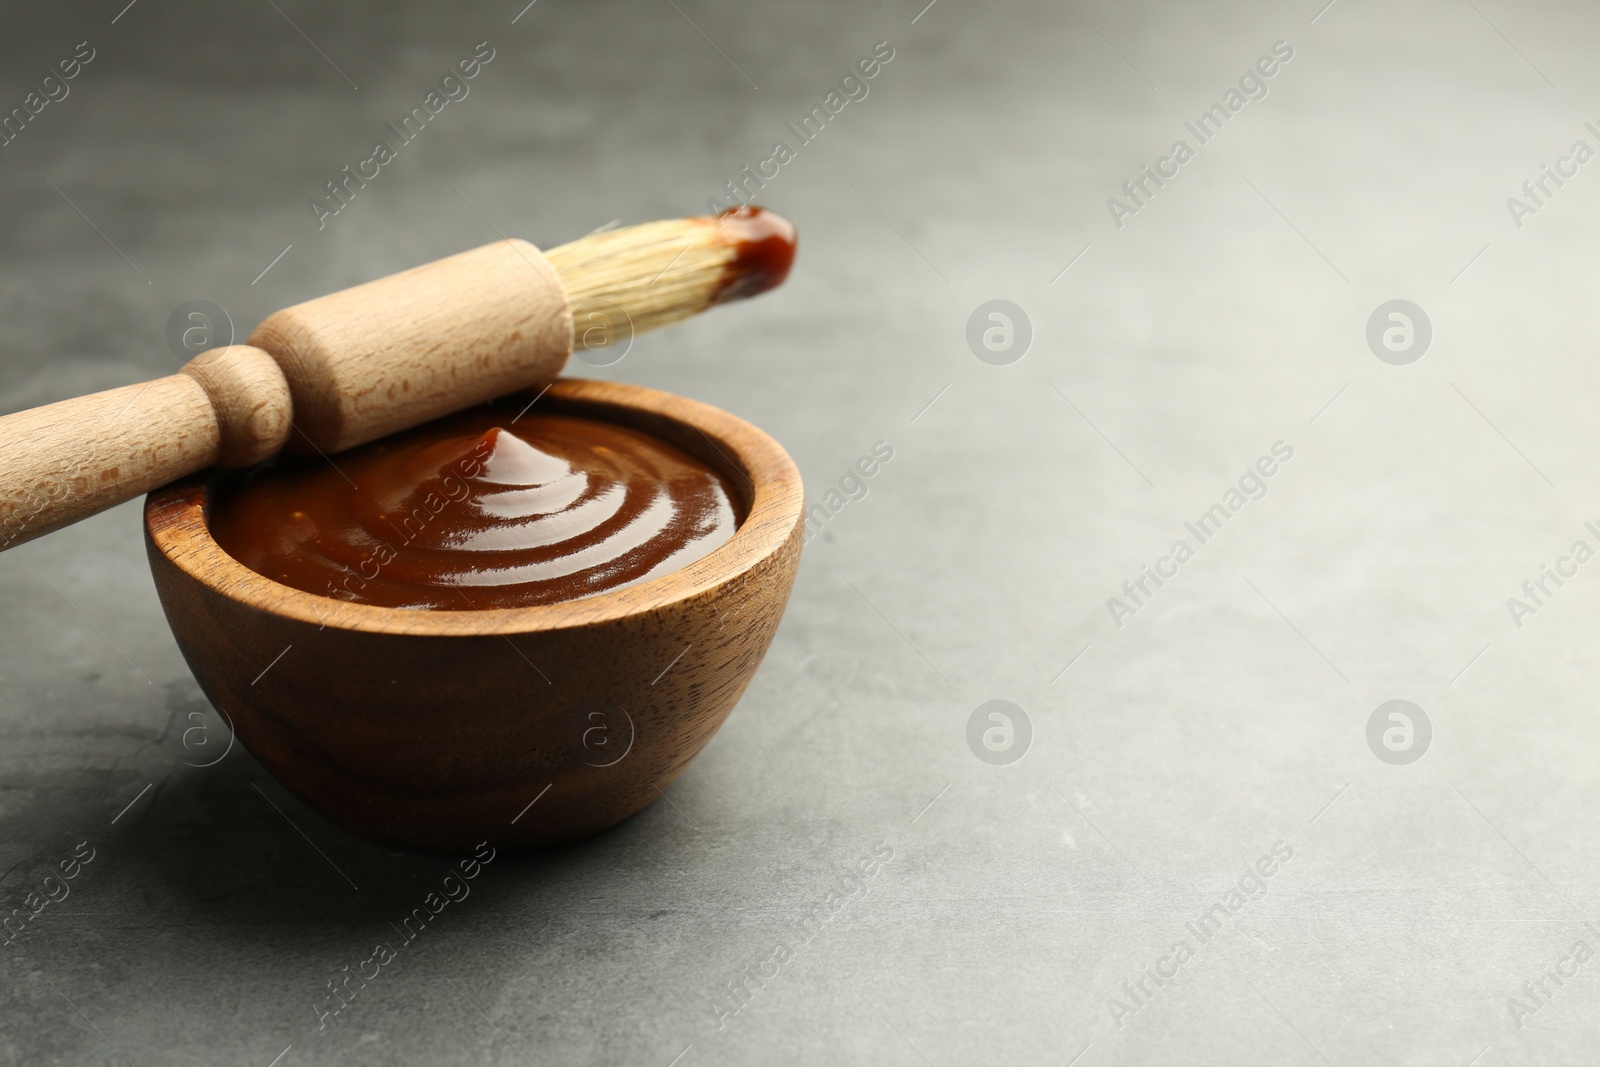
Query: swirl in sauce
x,y
478,511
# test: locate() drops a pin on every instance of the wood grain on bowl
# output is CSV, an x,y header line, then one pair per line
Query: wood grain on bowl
x,y
439,729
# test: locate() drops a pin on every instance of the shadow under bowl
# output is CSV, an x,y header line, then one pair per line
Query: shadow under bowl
x,y
521,726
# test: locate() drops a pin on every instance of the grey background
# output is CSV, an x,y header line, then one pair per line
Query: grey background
x,y
1227,715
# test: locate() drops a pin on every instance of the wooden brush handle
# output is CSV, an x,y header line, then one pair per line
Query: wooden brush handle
x,y
323,376
66,461
411,347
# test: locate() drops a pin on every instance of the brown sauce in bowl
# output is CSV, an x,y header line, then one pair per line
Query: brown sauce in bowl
x,y
478,510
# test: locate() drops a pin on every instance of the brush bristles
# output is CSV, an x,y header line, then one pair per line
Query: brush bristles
x,y
629,281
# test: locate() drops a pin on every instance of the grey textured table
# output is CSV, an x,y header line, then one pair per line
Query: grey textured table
x,y
1431,910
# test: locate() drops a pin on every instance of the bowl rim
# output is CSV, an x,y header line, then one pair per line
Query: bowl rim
x,y
176,529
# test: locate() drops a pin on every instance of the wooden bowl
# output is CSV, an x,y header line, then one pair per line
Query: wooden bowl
x,y
520,726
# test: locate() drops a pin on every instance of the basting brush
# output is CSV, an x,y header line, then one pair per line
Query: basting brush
x,y
356,365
